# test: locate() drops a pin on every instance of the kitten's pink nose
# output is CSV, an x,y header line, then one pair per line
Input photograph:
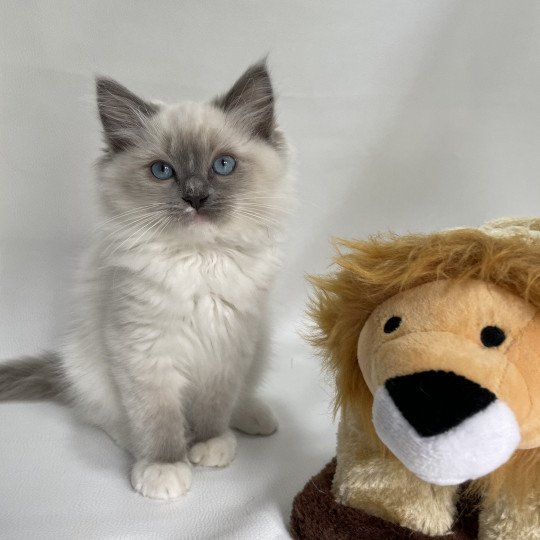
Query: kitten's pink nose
x,y
195,201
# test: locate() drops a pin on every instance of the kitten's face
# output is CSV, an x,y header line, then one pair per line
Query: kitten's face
x,y
199,169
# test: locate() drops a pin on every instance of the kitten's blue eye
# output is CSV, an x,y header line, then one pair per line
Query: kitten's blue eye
x,y
224,165
162,170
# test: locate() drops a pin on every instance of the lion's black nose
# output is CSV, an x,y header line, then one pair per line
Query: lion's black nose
x,y
435,401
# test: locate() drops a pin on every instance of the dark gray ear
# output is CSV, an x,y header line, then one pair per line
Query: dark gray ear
x,y
122,113
251,99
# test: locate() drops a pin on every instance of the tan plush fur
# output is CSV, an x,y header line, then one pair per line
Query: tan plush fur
x,y
372,272
376,482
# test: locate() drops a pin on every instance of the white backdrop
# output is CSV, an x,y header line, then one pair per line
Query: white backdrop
x,y
404,115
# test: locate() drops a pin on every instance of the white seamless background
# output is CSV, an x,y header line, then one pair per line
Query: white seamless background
x,y
403,115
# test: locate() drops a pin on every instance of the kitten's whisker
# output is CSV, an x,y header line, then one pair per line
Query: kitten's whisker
x,y
254,212
145,231
161,229
260,207
119,246
255,207
131,223
150,219
256,218
254,202
133,210
261,198
133,220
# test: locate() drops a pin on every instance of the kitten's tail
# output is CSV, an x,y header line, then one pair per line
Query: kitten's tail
x,y
32,377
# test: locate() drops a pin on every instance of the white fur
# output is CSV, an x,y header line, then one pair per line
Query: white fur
x,y
215,452
161,480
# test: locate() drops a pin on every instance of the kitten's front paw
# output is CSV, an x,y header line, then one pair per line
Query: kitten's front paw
x,y
254,417
215,452
161,480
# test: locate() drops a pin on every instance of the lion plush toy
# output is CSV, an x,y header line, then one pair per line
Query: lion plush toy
x,y
434,343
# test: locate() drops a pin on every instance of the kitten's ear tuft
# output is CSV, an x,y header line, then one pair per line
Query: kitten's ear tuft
x,y
251,100
122,113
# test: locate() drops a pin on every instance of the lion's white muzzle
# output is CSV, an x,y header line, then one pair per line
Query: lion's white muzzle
x,y
415,421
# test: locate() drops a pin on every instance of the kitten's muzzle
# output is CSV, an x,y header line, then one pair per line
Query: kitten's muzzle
x,y
196,201
194,191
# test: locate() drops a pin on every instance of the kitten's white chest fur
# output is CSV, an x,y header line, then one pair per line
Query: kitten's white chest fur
x,y
208,303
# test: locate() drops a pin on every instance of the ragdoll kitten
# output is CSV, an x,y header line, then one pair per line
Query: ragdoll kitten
x,y
168,335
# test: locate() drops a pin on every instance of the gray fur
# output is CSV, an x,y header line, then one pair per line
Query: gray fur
x,y
122,113
251,99
32,377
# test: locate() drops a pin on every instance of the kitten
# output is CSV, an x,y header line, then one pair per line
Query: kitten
x,y
168,334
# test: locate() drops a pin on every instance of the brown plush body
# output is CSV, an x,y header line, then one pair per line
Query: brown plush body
x,y
317,515
463,305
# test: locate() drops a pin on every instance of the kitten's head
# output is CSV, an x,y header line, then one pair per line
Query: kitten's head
x,y
194,171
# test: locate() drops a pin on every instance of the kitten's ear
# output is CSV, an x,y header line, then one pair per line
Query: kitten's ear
x,y
122,113
251,99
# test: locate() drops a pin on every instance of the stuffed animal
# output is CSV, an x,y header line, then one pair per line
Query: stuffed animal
x,y
434,344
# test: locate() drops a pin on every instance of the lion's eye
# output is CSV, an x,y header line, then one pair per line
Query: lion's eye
x,y
492,336
392,324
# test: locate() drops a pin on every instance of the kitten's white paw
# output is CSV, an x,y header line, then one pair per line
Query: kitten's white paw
x,y
216,452
255,418
161,480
